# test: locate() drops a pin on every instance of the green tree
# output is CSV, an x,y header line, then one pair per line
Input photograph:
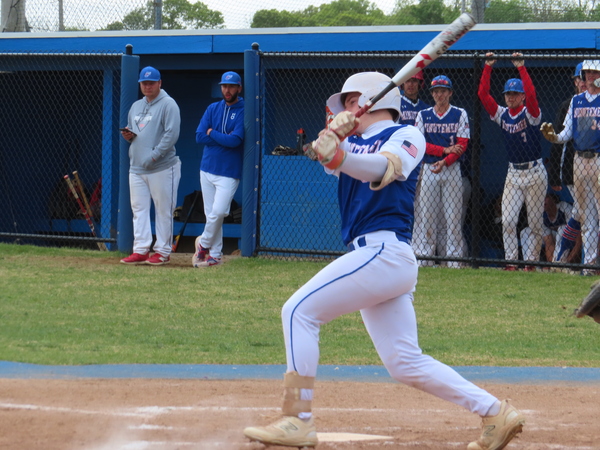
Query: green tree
x,y
266,18
176,15
525,11
511,11
336,13
424,12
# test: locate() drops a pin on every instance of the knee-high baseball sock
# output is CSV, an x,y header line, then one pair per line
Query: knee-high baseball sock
x,y
570,235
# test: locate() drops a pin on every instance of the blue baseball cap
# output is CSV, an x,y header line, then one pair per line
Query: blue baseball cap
x,y
578,70
513,85
231,78
149,74
441,81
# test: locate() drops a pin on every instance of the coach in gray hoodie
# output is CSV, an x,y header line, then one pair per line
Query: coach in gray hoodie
x,y
154,168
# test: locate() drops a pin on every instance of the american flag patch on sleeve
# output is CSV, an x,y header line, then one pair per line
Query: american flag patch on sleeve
x,y
410,148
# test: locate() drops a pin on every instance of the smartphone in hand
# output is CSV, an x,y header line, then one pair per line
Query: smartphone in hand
x,y
127,130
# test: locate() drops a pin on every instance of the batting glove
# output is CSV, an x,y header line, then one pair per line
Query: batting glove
x,y
344,124
328,151
548,132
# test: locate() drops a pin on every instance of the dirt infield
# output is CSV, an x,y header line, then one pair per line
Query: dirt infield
x,y
140,414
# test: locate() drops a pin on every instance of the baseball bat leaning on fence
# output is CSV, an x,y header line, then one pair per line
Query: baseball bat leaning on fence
x,y
434,49
89,220
187,219
80,189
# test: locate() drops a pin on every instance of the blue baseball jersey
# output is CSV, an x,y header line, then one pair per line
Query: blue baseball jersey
x,y
364,210
410,109
561,219
442,130
522,134
586,122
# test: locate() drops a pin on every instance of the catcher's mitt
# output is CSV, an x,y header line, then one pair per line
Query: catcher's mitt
x,y
282,150
590,305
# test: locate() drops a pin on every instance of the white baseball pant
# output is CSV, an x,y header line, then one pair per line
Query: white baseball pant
x,y
217,194
528,245
440,193
587,196
377,279
527,186
160,188
591,214
443,232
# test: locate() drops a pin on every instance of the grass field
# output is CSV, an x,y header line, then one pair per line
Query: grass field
x,y
70,306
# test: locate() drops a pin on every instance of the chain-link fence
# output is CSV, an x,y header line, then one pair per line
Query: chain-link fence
x,y
59,116
112,15
491,202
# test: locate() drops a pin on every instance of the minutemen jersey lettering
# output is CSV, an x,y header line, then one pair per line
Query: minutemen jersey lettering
x,y
521,134
586,129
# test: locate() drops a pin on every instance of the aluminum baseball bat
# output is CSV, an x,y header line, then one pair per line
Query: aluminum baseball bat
x,y
432,51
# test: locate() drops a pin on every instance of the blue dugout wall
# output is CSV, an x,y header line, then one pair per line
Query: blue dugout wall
x,y
192,61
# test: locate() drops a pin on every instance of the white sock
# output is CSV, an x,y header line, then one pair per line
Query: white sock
x,y
305,394
494,409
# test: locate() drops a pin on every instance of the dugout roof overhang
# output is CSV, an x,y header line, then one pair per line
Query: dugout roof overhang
x,y
484,37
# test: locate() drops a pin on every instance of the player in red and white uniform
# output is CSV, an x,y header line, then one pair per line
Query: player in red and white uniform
x,y
527,179
378,170
446,130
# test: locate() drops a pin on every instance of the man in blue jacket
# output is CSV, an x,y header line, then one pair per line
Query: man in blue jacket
x,y
221,131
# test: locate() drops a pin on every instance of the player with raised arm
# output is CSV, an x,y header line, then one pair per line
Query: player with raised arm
x,y
377,170
527,179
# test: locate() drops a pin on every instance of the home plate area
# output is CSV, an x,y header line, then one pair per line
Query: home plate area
x,y
180,414
349,437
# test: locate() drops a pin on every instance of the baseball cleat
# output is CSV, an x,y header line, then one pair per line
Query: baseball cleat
x,y
288,431
499,430
158,260
209,262
200,254
135,258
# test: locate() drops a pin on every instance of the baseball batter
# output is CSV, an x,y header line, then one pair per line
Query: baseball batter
x,y
446,131
377,170
582,126
527,179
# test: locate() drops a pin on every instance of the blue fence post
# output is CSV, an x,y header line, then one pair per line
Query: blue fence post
x,y
130,66
252,150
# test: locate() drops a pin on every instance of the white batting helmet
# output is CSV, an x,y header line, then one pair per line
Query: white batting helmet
x,y
589,64
368,84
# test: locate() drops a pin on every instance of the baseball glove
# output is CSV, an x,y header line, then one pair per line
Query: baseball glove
x,y
282,150
590,305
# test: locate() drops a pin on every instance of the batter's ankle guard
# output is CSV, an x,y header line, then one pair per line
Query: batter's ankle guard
x,y
292,404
